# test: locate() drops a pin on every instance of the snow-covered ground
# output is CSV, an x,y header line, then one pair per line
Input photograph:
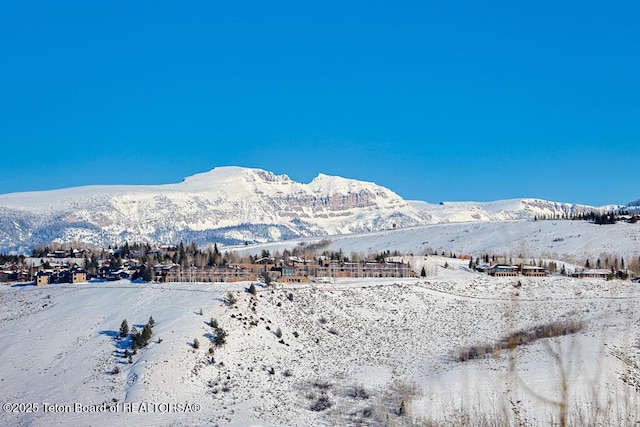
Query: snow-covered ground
x,y
351,352
560,240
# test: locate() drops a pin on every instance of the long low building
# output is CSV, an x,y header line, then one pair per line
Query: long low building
x,y
501,270
299,273
533,271
175,273
364,269
597,273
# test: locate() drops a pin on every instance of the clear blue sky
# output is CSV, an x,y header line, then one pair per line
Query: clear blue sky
x,y
436,100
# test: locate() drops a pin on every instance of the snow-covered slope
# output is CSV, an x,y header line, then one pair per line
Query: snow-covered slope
x,y
233,205
351,353
564,240
502,210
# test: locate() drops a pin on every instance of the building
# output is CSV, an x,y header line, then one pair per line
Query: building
x,y
484,268
364,269
78,276
504,270
43,278
175,273
5,276
290,274
533,271
74,275
593,274
14,273
286,273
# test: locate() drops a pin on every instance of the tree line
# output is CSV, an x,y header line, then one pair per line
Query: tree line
x,y
600,218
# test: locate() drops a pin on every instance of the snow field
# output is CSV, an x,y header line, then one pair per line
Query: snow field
x,y
353,352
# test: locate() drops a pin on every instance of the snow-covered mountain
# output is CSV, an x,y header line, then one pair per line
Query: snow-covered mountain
x,y
503,210
233,205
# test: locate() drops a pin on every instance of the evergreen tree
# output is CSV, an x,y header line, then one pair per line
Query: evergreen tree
x,y
219,333
221,336
211,259
423,272
146,335
124,328
230,299
116,261
144,273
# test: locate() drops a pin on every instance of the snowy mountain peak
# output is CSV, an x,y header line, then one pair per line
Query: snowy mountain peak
x,y
232,175
339,185
224,205
232,204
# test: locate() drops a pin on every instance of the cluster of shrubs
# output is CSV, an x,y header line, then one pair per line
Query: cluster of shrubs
x,y
320,402
139,339
219,333
516,339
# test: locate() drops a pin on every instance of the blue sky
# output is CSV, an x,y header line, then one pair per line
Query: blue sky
x,y
436,100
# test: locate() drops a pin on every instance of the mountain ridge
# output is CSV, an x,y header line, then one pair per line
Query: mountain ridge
x,y
231,205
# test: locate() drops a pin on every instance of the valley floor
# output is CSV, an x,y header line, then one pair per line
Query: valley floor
x,y
354,352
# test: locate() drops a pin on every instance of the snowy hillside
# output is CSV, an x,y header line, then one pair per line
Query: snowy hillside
x,y
233,205
561,240
502,210
374,352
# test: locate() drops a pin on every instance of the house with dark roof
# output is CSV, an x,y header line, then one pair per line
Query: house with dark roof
x,y
501,270
593,273
533,271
